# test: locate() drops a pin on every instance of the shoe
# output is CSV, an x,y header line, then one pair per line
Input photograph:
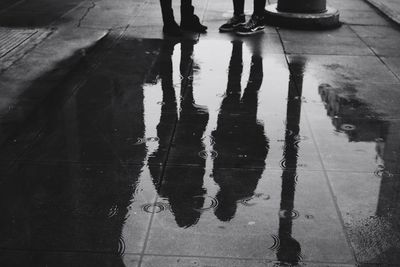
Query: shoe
x,y
172,29
193,24
253,26
233,23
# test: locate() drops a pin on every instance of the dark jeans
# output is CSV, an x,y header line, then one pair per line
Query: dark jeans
x,y
259,7
187,10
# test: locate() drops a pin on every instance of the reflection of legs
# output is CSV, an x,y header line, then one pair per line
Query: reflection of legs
x,y
290,249
226,196
184,189
250,95
186,69
238,139
189,109
235,71
168,109
169,99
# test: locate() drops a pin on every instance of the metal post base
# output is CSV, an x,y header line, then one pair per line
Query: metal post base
x,y
326,20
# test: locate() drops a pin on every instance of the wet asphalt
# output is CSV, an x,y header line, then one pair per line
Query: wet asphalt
x,y
281,149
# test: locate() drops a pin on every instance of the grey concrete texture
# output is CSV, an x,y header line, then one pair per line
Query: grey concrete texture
x,y
391,8
120,146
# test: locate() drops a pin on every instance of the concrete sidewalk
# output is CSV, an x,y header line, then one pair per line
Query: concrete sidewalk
x,y
122,147
390,8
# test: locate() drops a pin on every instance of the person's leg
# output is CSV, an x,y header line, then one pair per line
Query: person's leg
x,y
238,7
170,26
187,9
189,21
259,7
238,18
256,24
167,12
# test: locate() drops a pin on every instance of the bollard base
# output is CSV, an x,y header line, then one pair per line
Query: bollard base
x,y
326,20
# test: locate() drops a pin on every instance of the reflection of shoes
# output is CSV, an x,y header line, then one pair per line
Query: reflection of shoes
x,y
193,24
253,26
233,23
172,29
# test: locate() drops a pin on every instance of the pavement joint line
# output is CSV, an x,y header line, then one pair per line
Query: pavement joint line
x,y
146,240
66,251
331,191
163,169
266,260
328,182
147,236
376,55
127,164
330,55
164,165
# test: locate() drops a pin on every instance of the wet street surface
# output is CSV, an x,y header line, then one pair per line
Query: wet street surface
x,y
282,149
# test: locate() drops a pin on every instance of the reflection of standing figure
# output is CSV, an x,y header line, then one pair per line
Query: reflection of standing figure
x,y
69,205
184,190
290,250
239,137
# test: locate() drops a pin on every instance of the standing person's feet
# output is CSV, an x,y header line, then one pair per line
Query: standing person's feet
x,y
255,25
172,29
193,24
233,23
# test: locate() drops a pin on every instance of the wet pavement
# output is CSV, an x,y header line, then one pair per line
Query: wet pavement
x,y
282,149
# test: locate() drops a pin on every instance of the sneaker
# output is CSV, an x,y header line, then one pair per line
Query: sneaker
x,y
253,26
193,24
233,23
172,29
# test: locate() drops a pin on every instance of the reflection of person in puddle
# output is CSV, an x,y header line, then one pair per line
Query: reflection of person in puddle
x,y
183,187
289,251
239,137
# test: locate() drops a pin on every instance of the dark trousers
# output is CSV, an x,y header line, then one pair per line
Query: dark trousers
x,y
167,12
258,6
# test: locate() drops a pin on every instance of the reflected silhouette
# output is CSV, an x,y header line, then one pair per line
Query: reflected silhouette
x,y
345,109
75,191
289,250
184,190
370,126
239,137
